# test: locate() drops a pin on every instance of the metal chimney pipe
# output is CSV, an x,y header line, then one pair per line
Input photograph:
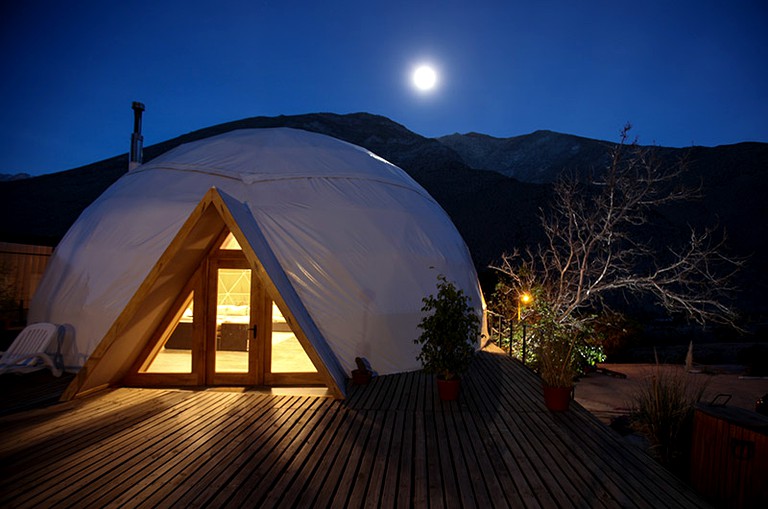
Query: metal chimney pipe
x,y
136,156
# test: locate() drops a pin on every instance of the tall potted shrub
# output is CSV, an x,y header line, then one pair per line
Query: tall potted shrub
x,y
449,329
555,354
557,371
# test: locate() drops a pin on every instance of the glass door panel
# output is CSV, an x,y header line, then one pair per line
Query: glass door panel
x,y
288,356
173,352
233,316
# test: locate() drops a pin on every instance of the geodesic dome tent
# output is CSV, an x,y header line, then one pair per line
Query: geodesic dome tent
x,y
338,243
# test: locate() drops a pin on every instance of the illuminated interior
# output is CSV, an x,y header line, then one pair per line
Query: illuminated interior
x,y
233,315
288,356
175,352
234,334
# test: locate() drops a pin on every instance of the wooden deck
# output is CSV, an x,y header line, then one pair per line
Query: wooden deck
x,y
391,444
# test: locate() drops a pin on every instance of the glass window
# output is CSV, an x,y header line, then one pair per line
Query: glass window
x,y
173,354
288,356
233,316
231,243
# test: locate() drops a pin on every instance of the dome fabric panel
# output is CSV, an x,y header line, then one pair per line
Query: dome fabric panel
x,y
359,240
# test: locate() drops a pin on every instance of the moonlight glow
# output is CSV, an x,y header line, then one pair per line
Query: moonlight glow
x,y
424,78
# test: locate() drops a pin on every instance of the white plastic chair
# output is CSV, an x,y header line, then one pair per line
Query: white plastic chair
x,y
28,352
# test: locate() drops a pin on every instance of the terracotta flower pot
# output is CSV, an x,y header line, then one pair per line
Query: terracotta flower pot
x,y
361,376
448,390
558,399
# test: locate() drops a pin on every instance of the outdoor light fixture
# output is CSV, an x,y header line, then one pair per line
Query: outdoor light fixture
x,y
524,299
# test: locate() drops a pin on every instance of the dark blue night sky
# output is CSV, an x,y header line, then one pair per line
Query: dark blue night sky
x,y
684,73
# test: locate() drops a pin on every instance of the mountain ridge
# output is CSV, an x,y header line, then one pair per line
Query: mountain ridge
x,y
542,155
494,212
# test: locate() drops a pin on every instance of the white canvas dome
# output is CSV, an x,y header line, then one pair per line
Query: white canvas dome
x,y
359,241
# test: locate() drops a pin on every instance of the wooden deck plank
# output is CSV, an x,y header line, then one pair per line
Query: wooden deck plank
x,y
38,389
310,457
537,452
526,474
318,485
229,460
508,460
323,485
568,468
20,422
471,487
414,392
435,451
393,443
453,496
200,476
640,471
484,459
95,419
381,395
419,477
261,451
574,473
392,467
522,411
157,461
357,393
403,485
91,438
271,470
393,398
43,429
126,450
188,465
622,487
366,489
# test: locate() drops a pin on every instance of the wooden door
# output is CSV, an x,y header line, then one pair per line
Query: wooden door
x,y
224,329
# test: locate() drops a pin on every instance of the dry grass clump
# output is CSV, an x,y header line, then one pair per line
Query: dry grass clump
x,y
663,409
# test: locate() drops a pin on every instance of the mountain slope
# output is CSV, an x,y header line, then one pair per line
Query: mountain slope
x,y
537,157
733,179
493,212
41,209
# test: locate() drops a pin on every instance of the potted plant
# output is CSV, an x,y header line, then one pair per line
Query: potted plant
x,y
362,375
557,373
555,359
449,330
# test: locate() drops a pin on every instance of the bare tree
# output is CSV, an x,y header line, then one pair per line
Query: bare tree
x,y
595,245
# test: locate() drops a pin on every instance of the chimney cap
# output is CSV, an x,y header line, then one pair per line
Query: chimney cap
x,y
138,106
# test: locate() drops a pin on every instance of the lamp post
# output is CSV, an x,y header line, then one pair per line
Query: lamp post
x,y
525,298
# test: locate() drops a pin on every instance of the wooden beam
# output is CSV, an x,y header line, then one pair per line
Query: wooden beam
x,y
202,212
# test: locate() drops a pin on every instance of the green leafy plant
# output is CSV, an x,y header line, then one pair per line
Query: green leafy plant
x,y
449,328
588,355
559,346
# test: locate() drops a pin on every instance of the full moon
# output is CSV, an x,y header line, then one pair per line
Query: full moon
x,y
424,77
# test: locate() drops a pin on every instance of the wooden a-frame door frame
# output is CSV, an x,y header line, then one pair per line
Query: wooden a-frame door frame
x,y
257,324
204,286
133,337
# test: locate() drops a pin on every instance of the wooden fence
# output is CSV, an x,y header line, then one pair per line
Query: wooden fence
x,y
21,269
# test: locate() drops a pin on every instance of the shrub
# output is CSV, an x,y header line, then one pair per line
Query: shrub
x,y
449,330
663,409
